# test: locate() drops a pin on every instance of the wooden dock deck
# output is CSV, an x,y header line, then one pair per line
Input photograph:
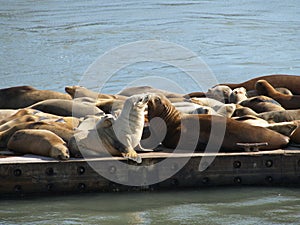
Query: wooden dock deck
x,y
33,175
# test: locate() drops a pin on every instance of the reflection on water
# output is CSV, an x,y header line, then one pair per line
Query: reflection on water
x,y
49,44
207,206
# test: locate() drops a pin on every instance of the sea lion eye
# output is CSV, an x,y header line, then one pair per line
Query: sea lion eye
x,y
157,99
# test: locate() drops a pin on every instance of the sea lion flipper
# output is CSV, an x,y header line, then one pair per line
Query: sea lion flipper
x,y
133,156
139,148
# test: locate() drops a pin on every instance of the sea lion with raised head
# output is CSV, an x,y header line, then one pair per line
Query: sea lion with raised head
x,y
236,132
119,137
253,93
23,96
39,142
291,82
287,101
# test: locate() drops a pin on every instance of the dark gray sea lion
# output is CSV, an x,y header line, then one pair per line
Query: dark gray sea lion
x,y
63,107
261,104
23,96
280,116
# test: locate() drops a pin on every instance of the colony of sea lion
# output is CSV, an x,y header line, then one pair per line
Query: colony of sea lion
x,y
85,123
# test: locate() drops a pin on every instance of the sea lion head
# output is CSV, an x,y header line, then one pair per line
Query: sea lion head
x,y
263,87
140,101
60,151
159,105
238,95
220,93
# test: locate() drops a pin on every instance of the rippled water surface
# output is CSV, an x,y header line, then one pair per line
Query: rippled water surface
x,y
50,44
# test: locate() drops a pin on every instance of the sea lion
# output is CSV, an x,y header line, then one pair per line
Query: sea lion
x,y
148,89
58,128
291,82
253,93
4,113
219,92
280,116
22,119
243,111
193,108
39,142
285,128
238,95
110,106
236,132
261,104
79,91
62,107
219,108
23,96
288,102
116,136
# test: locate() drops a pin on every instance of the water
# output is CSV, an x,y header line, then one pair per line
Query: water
x,y
213,206
50,44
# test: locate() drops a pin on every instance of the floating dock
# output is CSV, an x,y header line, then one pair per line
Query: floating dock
x,y
33,175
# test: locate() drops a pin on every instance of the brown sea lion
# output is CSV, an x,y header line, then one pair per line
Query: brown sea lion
x,y
4,113
79,91
23,96
21,119
253,93
236,132
261,104
291,82
60,129
62,107
295,138
39,142
287,101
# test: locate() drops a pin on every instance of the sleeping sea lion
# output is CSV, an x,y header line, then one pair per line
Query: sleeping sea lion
x,y
261,104
39,142
23,96
280,116
62,107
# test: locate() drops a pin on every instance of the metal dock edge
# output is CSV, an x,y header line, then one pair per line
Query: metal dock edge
x,y
31,175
